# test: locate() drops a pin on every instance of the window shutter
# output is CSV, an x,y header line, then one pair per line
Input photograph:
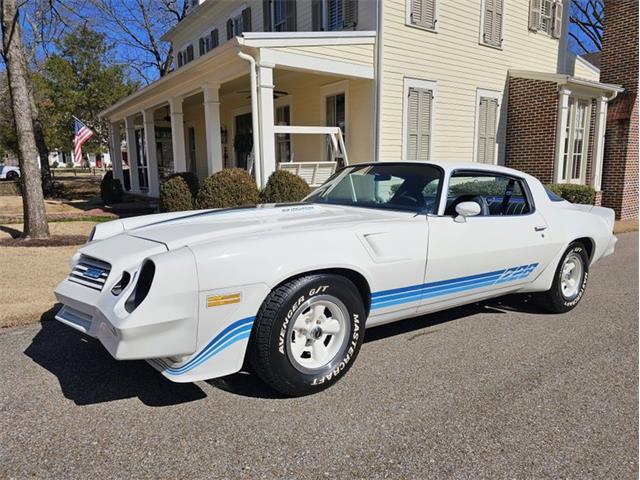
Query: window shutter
x,y
534,14
350,13
557,20
487,126
229,29
423,13
246,20
201,46
419,123
291,25
215,40
266,15
317,23
492,34
425,123
189,53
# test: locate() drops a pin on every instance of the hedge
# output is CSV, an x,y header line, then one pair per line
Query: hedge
x,y
231,187
574,193
284,187
175,195
191,179
110,189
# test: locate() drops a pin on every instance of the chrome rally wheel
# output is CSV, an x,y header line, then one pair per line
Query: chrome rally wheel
x,y
571,275
570,281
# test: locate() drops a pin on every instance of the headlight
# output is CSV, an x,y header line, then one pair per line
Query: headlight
x,y
145,278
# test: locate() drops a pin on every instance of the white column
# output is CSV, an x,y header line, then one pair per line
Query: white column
x,y
215,161
150,149
266,120
115,145
561,132
598,150
177,135
132,154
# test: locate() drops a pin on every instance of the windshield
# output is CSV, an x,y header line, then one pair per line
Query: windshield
x,y
407,187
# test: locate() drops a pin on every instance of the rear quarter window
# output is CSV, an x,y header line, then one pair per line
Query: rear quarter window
x,y
553,196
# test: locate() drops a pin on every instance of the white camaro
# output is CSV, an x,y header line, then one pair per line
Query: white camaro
x,y
291,288
8,172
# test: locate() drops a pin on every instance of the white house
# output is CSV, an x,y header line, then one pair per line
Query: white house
x,y
400,79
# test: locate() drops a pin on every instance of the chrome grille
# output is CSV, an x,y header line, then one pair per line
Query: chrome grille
x,y
90,272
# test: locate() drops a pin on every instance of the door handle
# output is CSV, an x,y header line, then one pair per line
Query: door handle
x,y
540,228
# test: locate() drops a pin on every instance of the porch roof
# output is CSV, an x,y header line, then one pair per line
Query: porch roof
x,y
348,54
596,88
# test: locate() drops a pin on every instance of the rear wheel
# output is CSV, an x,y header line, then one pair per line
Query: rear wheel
x,y
12,175
307,334
569,282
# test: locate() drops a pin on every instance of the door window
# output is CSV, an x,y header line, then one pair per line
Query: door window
x,y
497,195
336,116
574,148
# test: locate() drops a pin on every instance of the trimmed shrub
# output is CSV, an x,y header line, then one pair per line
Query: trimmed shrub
x,y
191,179
284,187
55,164
231,187
110,189
175,195
574,193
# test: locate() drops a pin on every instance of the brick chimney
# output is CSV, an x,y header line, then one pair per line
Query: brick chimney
x,y
619,65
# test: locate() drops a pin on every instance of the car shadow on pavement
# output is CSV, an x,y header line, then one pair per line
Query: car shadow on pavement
x,y
88,374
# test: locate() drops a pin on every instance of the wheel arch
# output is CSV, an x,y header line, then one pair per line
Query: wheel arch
x,y
358,279
589,243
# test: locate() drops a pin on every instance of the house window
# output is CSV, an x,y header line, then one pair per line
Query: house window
x,y
209,42
421,13
492,14
283,140
418,108
238,24
334,14
487,128
575,142
185,56
284,15
546,16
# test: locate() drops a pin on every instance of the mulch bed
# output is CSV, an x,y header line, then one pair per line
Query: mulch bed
x,y
53,241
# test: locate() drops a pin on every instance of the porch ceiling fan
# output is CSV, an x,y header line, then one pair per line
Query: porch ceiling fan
x,y
276,93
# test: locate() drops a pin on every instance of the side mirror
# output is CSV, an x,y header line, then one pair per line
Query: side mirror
x,y
467,209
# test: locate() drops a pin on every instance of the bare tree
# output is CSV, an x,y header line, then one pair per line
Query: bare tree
x,y
588,17
138,25
13,53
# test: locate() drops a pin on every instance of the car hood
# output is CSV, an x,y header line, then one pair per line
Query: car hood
x,y
229,224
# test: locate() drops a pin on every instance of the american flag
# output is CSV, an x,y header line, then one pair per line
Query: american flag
x,y
83,133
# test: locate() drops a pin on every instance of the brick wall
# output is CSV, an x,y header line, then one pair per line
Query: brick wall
x,y
619,65
531,127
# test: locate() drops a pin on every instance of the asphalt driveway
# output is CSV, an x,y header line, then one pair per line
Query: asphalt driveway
x,y
492,390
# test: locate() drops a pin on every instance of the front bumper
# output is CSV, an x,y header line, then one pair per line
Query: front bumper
x,y
165,324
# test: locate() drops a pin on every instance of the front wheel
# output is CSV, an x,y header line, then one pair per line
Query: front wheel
x,y
569,282
307,334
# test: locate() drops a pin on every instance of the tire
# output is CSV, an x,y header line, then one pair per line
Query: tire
x,y
290,348
569,283
12,175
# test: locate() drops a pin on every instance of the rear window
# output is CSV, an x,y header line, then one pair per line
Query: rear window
x,y
553,197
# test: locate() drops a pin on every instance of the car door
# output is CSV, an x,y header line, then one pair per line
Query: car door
x,y
507,245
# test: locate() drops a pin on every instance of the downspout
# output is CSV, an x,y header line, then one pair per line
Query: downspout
x,y
257,164
378,76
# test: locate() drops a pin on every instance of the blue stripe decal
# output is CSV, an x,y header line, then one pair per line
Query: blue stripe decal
x,y
235,332
414,293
